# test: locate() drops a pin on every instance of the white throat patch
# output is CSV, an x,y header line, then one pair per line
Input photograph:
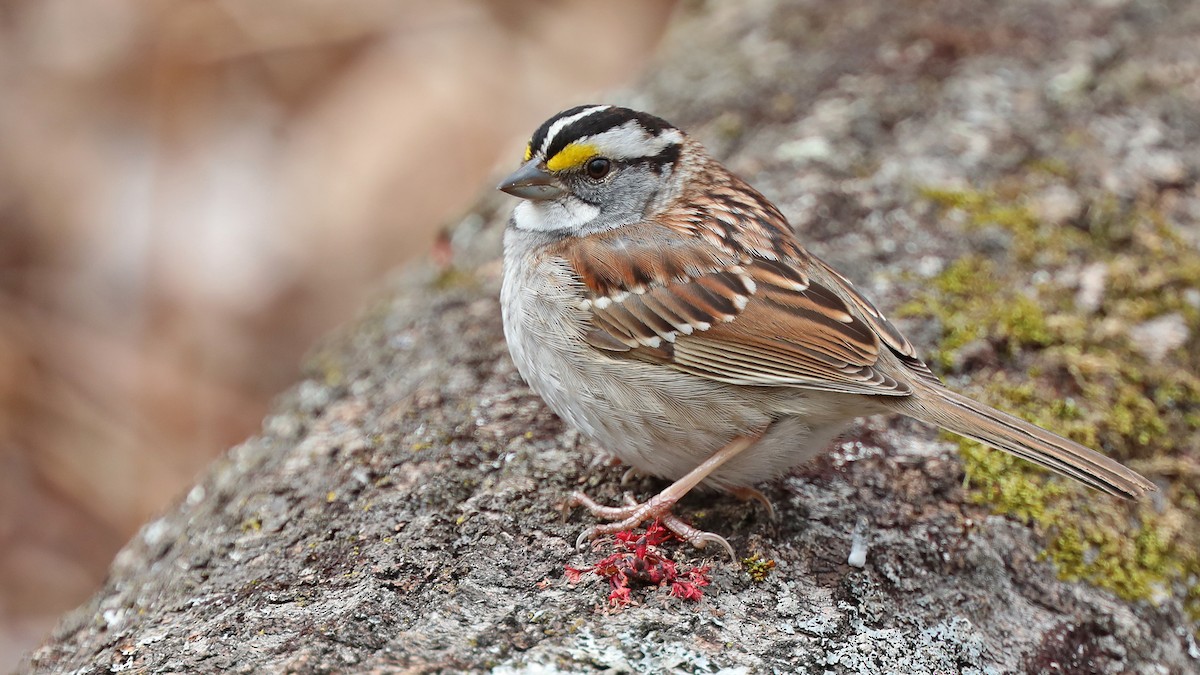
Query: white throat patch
x,y
560,214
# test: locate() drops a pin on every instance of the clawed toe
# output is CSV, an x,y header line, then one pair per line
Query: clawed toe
x,y
747,494
634,514
695,536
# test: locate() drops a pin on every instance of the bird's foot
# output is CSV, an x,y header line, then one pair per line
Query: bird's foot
x,y
633,514
659,506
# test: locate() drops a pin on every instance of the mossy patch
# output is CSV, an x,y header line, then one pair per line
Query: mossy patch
x,y
1083,376
758,568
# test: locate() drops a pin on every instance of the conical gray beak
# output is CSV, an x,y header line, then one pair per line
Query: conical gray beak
x,y
531,182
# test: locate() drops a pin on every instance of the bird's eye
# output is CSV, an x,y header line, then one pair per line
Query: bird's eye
x,y
598,168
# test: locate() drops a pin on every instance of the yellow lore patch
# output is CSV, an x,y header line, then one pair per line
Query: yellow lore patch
x,y
575,154
528,151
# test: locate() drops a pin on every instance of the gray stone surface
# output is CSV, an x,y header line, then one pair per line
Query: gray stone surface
x,y
401,510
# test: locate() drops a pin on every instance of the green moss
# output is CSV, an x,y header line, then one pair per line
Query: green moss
x,y
1032,243
758,568
1082,377
972,304
1051,166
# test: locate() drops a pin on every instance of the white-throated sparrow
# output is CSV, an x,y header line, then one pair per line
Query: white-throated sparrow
x,y
664,307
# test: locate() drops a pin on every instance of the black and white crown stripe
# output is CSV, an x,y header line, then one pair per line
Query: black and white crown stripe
x,y
550,129
621,133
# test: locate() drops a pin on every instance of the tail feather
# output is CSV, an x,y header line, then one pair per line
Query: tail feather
x,y
974,420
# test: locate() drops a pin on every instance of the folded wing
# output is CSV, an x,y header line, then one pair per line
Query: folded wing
x,y
741,319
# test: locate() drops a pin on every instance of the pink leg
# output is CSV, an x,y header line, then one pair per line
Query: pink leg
x,y
659,506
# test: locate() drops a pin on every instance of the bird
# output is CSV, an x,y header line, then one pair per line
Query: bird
x,y
666,309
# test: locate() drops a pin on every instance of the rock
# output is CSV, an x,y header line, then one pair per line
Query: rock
x,y
1092,280
405,514
1155,338
1057,205
805,150
1165,168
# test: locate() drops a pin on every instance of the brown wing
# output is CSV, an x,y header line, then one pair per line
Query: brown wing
x,y
728,315
890,335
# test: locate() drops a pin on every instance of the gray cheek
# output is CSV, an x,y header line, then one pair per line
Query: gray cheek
x,y
622,200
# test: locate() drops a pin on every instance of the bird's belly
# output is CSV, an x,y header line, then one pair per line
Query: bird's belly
x,y
661,421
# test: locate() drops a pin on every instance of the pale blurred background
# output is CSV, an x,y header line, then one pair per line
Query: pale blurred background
x,y
192,191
